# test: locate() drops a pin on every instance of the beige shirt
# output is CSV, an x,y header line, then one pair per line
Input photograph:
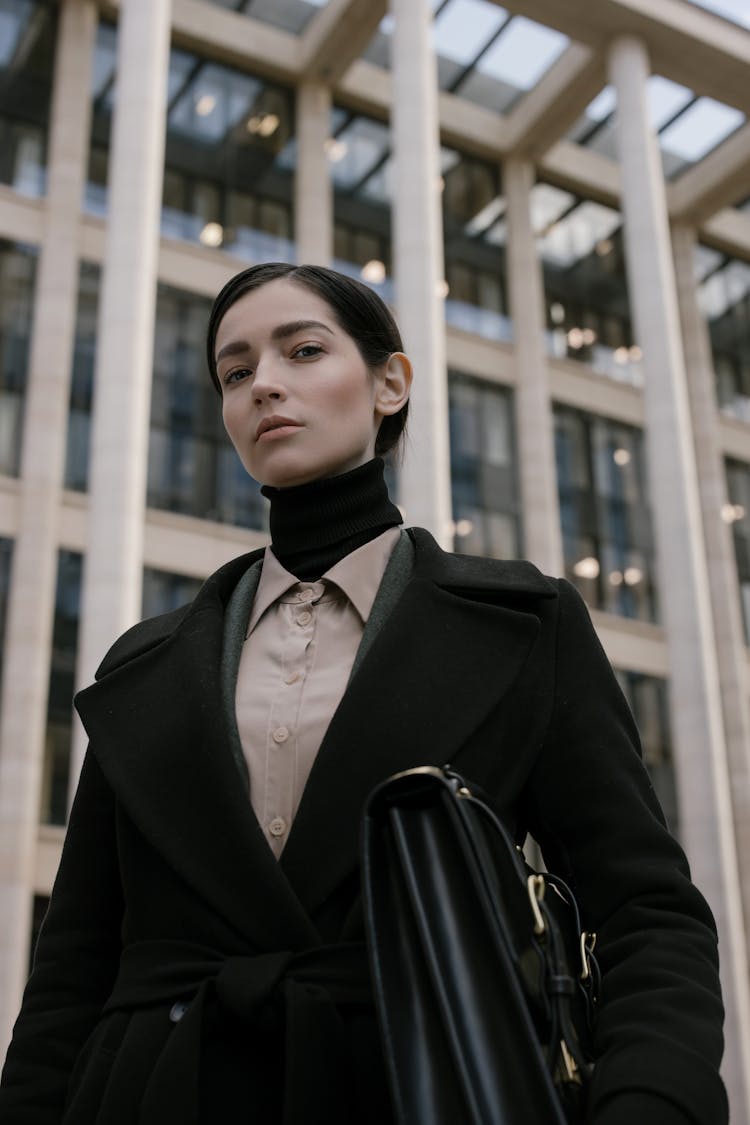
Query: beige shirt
x,y
301,642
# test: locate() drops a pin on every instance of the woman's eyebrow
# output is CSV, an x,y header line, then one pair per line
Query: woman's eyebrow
x,y
281,332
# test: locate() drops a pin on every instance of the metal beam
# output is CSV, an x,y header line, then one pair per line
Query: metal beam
x,y
686,43
719,180
337,36
548,110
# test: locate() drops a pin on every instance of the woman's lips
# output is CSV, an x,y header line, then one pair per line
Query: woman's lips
x,y
279,432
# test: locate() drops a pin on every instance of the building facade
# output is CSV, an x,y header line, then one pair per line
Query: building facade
x,y
554,195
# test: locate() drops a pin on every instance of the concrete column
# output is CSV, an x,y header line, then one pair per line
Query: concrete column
x,y
534,422
425,487
703,776
124,353
28,640
313,193
722,567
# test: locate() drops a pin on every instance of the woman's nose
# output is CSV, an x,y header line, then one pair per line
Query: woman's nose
x,y
267,382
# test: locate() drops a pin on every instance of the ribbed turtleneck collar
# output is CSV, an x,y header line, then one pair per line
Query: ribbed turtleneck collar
x,y
315,525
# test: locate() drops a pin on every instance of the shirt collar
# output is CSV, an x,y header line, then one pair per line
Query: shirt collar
x,y
358,575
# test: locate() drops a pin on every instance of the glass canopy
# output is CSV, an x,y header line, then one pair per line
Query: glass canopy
x,y
484,53
288,15
688,126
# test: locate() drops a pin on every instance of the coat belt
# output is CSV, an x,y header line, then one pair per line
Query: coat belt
x,y
300,992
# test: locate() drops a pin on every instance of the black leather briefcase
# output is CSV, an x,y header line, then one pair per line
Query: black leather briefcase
x,y
484,982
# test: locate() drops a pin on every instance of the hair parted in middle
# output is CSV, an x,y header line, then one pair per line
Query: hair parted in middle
x,y
357,309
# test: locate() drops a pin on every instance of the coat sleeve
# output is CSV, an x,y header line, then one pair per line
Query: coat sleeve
x,y
657,1037
74,965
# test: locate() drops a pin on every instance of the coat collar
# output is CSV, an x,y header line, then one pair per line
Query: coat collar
x,y
443,659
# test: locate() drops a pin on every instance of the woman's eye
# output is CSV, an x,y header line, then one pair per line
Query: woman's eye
x,y
237,375
307,351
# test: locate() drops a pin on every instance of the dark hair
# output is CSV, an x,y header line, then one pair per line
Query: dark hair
x,y
356,308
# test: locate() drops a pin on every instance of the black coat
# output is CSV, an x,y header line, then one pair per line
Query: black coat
x,y
483,664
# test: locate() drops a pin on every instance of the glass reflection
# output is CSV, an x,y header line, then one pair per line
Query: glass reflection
x,y
648,697
588,307
737,514
17,279
6,553
163,591
61,688
27,47
192,467
483,468
228,179
605,518
724,297
288,15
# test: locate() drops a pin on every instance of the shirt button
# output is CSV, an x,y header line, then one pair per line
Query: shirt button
x,y
306,595
291,678
177,1011
280,734
277,827
304,618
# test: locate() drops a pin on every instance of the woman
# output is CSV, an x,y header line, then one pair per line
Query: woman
x,y
202,958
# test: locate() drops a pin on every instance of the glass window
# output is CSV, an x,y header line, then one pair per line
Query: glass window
x,y
483,468
61,688
27,48
229,167
163,591
588,309
606,523
737,513
17,279
724,296
289,15
193,467
82,381
359,156
649,701
474,229
483,53
6,553
688,126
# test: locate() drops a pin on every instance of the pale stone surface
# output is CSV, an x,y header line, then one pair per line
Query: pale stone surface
x,y
722,570
535,431
313,191
425,492
32,590
704,791
111,598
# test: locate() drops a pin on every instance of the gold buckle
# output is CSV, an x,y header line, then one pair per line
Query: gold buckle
x,y
572,1073
588,942
536,885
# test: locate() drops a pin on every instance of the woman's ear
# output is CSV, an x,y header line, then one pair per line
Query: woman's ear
x,y
393,384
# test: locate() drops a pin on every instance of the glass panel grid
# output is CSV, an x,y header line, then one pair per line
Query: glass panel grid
x,y
27,46
486,517
287,15
688,126
605,518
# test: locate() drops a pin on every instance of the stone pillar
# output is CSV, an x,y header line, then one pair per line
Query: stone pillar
x,y
124,354
703,776
534,422
28,638
722,567
313,194
425,487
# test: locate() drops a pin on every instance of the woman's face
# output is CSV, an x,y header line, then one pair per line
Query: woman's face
x,y
298,403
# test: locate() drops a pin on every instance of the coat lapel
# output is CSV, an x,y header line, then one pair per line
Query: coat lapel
x,y
159,731
441,662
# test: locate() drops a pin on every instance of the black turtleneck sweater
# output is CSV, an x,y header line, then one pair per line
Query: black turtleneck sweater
x,y
315,525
